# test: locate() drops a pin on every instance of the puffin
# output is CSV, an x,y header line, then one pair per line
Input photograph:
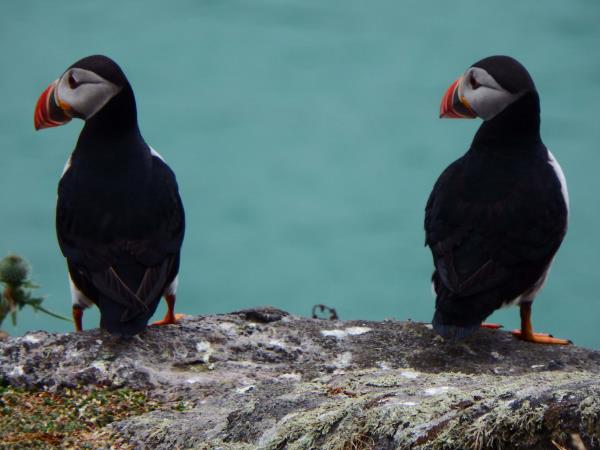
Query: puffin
x,y
120,220
497,215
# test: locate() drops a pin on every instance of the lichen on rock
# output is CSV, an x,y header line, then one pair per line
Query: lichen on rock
x,y
262,378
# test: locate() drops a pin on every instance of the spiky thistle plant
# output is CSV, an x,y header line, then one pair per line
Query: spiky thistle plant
x,y
17,293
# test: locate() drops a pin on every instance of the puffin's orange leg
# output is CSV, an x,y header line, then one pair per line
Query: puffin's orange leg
x,y
77,317
492,326
170,317
526,332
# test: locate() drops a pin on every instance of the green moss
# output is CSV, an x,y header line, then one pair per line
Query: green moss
x,y
42,419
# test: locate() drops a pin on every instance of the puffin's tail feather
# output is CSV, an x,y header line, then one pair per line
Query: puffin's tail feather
x,y
125,310
458,317
112,313
450,331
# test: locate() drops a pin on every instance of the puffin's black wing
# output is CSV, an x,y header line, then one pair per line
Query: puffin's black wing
x,y
123,246
493,225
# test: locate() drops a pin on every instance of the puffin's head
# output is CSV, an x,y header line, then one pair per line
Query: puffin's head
x,y
83,90
486,89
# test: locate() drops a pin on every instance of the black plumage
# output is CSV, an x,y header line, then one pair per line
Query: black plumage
x,y
119,217
497,215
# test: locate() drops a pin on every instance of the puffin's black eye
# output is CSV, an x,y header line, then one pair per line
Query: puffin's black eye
x,y
474,83
73,83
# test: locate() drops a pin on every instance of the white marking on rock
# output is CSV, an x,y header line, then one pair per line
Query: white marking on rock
x,y
17,371
537,366
99,365
203,346
73,354
230,328
437,390
341,334
323,417
383,365
355,331
392,402
287,417
277,343
338,334
429,326
244,389
291,376
409,374
32,339
193,380
343,360
206,348
497,355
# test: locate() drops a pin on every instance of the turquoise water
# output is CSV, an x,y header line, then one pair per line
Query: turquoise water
x,y
305,138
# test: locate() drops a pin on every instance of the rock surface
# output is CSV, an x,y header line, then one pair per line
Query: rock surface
x,y
262,378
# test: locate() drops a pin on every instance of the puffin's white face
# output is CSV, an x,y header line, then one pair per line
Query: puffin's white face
x,y
481,93
82,93
476,94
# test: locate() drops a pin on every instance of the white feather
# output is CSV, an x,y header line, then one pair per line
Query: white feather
x,y
78,298
172,288
67,166
561,178
155,153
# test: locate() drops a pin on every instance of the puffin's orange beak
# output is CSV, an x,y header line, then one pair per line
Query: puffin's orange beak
x,y
453,105
48,112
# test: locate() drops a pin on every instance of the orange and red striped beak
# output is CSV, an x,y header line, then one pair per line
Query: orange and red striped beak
x,y
453,105
49,113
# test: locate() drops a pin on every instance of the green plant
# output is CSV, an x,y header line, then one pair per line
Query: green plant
x,y
14,275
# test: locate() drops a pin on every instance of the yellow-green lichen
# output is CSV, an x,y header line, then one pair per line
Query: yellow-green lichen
x,y
590,416
478,412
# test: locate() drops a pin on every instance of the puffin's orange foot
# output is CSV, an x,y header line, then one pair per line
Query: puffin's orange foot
x,y
517,333
491,326
540,338
169,320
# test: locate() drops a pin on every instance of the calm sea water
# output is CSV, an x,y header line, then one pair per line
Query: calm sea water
x,y
305,138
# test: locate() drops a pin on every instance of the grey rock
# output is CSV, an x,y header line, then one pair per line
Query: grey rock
x,y
261,378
